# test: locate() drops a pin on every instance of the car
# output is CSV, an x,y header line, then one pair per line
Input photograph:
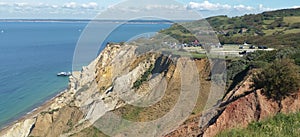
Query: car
x,y
243,52
252,47
262,47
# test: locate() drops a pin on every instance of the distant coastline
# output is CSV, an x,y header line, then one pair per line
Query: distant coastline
x,y
94,20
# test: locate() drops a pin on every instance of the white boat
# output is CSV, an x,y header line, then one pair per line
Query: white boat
x,y
64,74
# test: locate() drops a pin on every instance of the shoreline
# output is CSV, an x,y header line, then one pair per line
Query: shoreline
x,y
34,112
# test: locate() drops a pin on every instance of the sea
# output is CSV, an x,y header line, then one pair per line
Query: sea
x,y
33,52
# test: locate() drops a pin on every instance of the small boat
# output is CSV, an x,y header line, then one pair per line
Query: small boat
x,y
64,74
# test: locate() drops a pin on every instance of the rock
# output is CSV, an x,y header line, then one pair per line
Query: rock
x,y
43,124
253,107
238,113
291,104
21,129
57,122
238,108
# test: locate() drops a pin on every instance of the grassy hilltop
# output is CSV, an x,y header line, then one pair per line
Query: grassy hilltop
x,y
274,28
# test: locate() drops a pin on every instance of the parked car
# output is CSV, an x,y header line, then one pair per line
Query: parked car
x,y
262,47
243,52
252,47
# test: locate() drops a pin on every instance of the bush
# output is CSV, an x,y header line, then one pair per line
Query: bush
x,y
234,68
296,56
295,26
144,78
278,80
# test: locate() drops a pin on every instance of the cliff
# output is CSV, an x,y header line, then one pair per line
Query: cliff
x,y
238,108
115,81
142,88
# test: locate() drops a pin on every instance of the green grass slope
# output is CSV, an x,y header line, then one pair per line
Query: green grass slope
x,y
279,126
274,28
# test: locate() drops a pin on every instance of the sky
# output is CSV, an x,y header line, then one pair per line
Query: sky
x,y
89,9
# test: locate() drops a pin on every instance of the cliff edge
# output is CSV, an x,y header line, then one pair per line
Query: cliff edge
x,y
141,88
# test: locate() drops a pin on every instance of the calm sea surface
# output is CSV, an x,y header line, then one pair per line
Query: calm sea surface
x,y
31,53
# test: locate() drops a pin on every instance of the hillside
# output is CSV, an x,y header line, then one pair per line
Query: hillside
x,y
243,104
274,28
148,88
288,125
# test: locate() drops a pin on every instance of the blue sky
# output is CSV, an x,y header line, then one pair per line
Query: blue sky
x,y
88,9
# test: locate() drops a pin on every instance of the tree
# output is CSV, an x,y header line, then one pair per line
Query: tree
x,y
278,80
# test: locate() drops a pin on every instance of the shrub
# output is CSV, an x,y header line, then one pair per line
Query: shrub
x,y
144,77
278,80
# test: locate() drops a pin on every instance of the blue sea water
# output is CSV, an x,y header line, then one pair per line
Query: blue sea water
x,y
31,53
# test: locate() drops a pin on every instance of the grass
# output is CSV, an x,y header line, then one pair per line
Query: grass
x,y
144,78
268,21
193,55
279,126
292,31
133,113
49,112
292,19
287,20
188,54
90,132
272,31
198,56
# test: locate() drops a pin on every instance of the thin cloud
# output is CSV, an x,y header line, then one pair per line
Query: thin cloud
x,y
54,6
211,9
263,8
207,8
243,7
170,7
74,5
91,5
21,4
70,5
206,5
42,6
143,8
71,8
91,9
295,7
3,4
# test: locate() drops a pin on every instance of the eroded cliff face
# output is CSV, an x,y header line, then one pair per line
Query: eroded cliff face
x,y
238,108
252,107
117,79
120,79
